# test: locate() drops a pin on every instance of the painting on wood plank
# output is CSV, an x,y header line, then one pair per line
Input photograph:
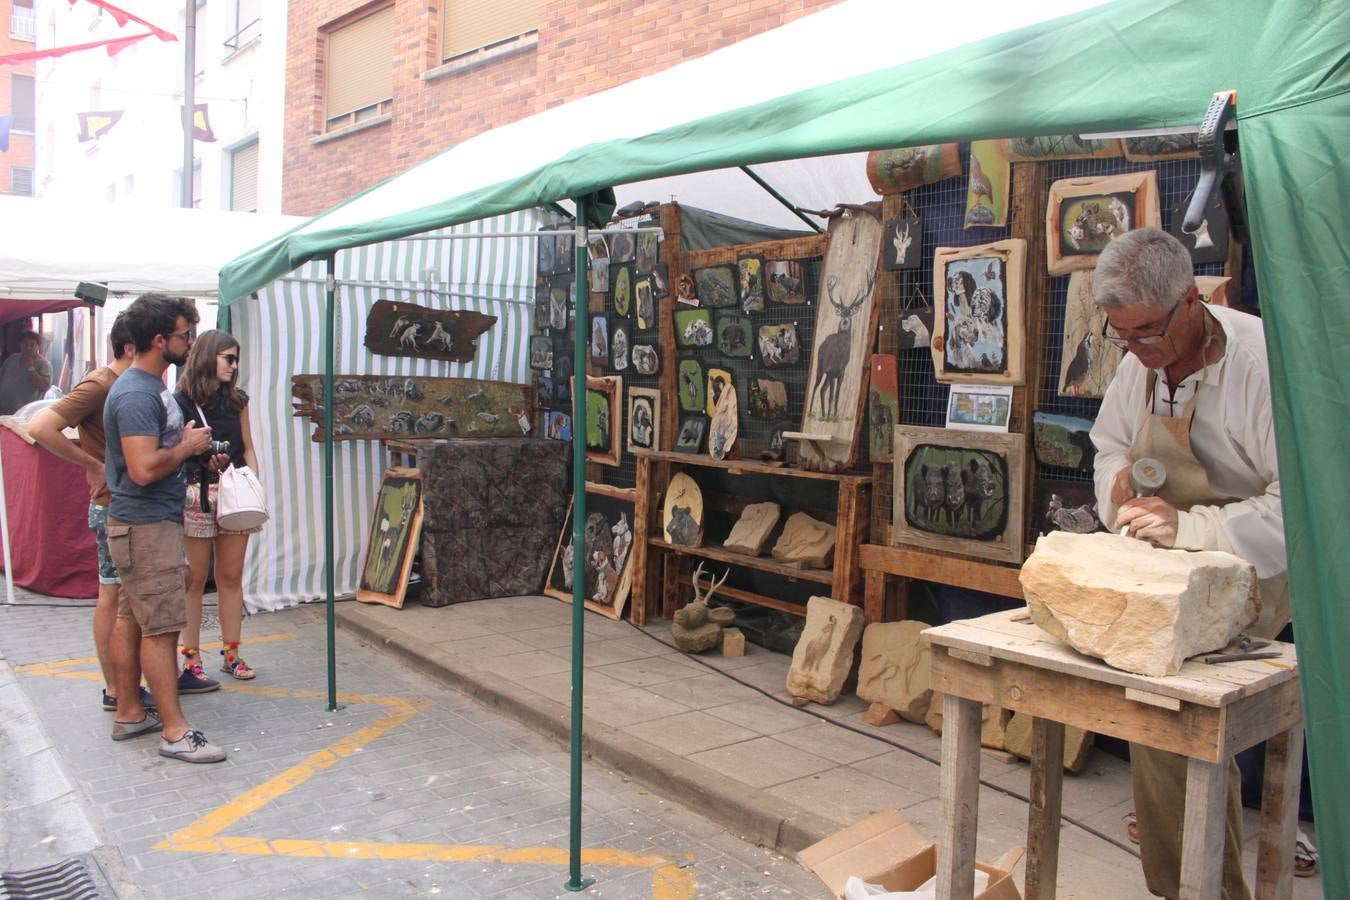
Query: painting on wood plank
x,y
370,407
406,329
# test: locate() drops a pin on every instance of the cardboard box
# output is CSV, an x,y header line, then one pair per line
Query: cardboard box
x,y
884,849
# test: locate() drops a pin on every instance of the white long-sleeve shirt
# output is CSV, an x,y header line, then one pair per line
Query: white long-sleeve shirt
x,y
1232,435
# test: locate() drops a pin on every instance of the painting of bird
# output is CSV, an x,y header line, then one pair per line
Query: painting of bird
x,y
1079,367
979,182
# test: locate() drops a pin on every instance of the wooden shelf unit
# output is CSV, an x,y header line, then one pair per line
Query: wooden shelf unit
x,y
660,568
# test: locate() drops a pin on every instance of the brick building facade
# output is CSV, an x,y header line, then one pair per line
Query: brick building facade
x,y
18,96
437,99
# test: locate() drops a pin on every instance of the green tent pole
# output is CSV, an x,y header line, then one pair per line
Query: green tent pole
x,y
580,329
330,322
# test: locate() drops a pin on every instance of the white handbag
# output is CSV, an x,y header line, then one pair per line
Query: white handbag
x,y
240,503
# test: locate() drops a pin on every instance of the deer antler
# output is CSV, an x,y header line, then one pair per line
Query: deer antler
x,y
846,310
717,583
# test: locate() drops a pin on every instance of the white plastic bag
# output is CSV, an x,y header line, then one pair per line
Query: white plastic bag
x,y
857,889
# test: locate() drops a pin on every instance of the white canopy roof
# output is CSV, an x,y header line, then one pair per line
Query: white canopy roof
x,y
51,246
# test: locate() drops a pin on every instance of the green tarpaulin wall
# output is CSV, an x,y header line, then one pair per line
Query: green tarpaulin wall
x,y
1130,64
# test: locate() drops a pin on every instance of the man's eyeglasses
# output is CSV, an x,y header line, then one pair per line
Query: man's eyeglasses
x,y
186,334
1145,340
231,358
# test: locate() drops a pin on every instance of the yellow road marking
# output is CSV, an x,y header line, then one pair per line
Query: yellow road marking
x,y
671,880
51,668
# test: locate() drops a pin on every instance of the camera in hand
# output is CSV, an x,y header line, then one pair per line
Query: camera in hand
x,y
219,447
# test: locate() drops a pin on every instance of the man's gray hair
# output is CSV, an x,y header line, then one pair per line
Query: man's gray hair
x,y
1144,267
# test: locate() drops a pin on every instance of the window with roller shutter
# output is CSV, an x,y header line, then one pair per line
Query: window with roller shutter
x,y
21,181
469,25
244,178
360,70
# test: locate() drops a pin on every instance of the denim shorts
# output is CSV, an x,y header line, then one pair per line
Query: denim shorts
x,y
98,524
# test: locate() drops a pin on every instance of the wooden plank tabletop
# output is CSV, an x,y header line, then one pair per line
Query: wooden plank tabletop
x,y
998,636
746,466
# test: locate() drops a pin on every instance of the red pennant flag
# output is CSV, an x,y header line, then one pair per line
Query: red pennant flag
x,y
114,45
94,125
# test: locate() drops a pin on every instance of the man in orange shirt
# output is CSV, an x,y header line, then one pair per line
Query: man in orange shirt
x,y
82,409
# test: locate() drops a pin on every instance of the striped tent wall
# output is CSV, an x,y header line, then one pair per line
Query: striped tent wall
x,y
281,335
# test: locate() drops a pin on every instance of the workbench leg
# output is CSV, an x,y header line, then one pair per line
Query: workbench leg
x,y
1279,816
1047,790
1203,833
959,790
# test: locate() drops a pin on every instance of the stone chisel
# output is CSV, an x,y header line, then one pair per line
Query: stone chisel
x,y
1147,476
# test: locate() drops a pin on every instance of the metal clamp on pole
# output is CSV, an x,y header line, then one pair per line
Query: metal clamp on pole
x,y
1220,168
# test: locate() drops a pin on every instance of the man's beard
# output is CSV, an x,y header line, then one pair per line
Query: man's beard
x,y
174,359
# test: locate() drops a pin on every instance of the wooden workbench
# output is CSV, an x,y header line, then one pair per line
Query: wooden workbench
x,y
1205,712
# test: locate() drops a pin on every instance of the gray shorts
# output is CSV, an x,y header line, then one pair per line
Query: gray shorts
x,y
98,524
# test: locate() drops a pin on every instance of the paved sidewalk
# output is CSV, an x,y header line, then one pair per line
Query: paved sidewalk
x,y
720,734
411,789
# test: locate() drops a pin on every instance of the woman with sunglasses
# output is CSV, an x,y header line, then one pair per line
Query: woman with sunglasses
x,y
207,395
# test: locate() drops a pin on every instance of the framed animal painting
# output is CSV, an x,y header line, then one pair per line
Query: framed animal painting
x,y
768,398
600,341
1209,243
547,247
690,387
786,281
393,538
690,437
716,285
751,270
620,343
846,322
621,287
959,491
990,179
1084,214
607,578
1066,506
557,426
597,250
1088,361
563,254
979,329
1063,441
644,304
646,359
903,242
718,381
778,345
693,328
883,407
644,419
622,246
648,248
904,168
603,413
914,330
541,352
735,336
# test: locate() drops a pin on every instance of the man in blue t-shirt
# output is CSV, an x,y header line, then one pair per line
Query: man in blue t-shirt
x,y
148,443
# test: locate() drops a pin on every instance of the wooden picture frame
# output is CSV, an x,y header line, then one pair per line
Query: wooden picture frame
x,y
1084,214
644,419
392,544
608,557
935,468
979,327
905,168
603,418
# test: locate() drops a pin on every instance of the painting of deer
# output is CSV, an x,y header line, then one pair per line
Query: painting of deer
x,y
835,352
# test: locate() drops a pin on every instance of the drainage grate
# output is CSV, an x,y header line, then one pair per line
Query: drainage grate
x,y
68,880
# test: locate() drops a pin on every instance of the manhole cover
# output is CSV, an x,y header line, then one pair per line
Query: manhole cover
x,y
68,880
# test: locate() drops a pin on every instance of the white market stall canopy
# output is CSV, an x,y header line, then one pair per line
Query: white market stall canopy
x,y
51,246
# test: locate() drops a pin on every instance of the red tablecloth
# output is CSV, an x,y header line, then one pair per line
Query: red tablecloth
x,y
48,503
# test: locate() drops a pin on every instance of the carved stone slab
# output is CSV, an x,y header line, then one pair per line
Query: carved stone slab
x,y
406,329
1135,606
369,407
895,668
753,528
806,541
824,653
682,513
1077,742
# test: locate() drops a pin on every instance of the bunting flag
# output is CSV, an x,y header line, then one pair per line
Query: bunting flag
x,y
114,45
122,17
201,125
94,125
6,122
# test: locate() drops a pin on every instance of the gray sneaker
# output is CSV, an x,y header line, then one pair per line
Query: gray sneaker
x,y
192,747
123,731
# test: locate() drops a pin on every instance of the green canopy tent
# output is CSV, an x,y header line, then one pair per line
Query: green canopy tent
x,y
1119,66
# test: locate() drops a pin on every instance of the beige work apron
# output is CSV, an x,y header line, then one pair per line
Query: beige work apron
x,y
1168,440
1159,777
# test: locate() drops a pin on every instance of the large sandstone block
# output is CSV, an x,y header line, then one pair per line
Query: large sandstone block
x,y
806,541
753,528
895,668
824,653
1135,606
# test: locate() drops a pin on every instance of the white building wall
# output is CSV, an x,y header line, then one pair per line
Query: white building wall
x,y
139,159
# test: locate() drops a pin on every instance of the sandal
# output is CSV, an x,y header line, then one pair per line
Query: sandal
x,y
1131,827
234,663
1305,857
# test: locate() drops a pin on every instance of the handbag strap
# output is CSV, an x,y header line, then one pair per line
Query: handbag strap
x,y
203,484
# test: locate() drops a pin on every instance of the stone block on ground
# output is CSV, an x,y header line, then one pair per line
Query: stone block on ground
x,y
1135,606
824,654
806,541
752,528
733,642
894,671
